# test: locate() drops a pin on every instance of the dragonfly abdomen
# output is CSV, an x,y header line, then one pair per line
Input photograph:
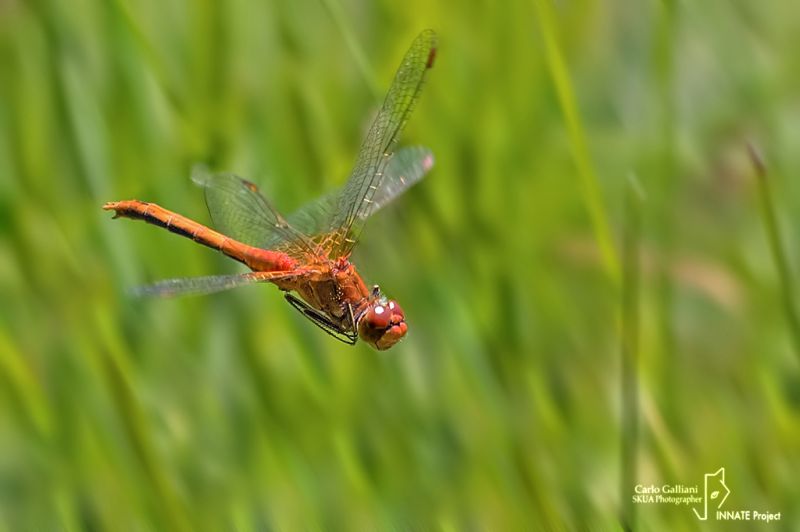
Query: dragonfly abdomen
x,y
255,258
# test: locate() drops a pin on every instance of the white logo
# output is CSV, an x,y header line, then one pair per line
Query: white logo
x,y
713,496
712,483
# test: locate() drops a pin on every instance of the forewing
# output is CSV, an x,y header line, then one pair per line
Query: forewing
x,y
206,285
354,203
405,168
238,210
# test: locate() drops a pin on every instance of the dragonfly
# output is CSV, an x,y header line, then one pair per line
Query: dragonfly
x,y
307,253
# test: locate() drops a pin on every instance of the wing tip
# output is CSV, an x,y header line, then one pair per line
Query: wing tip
x,y
428,161
138,292
429,35
200,174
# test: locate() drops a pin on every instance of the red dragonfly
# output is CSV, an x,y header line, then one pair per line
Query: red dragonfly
x,y
308,252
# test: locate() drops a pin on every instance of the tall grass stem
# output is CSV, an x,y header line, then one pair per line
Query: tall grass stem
x,y
590,187
770,219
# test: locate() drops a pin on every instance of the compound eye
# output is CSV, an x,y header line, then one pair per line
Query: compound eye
x,y
383,325
379,317
395,310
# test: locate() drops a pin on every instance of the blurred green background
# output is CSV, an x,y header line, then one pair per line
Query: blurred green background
x,y
503,409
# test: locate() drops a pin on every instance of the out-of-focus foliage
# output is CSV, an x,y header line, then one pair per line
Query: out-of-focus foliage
x,y
502,409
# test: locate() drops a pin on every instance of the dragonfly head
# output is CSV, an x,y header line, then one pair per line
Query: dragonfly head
x,y
383,324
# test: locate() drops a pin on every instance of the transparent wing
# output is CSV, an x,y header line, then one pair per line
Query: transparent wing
x,y
354,202
408,166
238,210
206,285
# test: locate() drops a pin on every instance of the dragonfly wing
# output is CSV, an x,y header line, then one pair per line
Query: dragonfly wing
x,y
313,217
206,285
408,166
354,203
238,210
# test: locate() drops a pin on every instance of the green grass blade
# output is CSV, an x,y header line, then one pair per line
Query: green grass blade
x,y
136,428
588,178
776,246
629,379
356,50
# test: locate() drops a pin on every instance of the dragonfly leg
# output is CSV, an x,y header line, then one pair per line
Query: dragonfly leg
x,y
322,321
353,324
